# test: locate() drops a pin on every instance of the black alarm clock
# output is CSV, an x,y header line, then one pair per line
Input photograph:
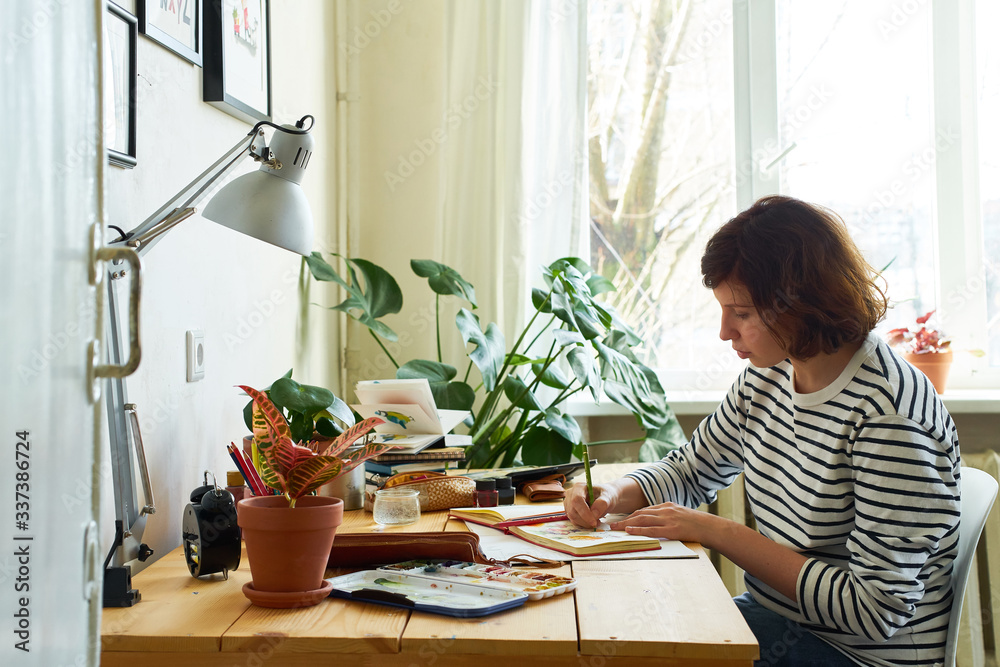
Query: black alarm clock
x,y
211,534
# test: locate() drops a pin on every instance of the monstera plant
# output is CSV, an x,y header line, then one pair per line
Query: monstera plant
x,y
571,344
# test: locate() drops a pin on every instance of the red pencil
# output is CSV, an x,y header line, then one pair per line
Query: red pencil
x,y
265,490
256,484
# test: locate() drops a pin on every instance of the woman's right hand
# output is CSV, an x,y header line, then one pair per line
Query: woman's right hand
x,y
583,513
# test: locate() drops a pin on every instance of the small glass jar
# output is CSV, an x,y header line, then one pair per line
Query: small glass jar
x,y
486,493
396,507
505,491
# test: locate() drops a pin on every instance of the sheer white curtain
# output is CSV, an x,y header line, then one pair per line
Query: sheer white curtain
x,y
470,150
514,183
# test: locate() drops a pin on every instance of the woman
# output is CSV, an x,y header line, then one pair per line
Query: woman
x,y
851,461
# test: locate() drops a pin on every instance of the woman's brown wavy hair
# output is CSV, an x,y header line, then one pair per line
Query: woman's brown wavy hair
x,y
807,279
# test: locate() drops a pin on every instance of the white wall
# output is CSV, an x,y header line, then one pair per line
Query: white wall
x,y
242,293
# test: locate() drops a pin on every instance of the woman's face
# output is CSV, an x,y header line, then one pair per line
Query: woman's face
x,y
742,325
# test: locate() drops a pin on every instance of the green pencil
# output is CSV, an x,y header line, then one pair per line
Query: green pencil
x,y
586,472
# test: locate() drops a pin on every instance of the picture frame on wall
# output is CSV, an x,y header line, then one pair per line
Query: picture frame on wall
x,y
237,58
121,35
175,25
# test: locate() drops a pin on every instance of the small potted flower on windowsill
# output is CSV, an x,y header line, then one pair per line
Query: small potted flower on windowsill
x,y
926,348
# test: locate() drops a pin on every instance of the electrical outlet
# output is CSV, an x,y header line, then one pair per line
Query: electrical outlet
x,y
195,355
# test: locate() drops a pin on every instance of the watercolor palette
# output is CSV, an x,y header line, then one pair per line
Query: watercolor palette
x,y
536,585
452,598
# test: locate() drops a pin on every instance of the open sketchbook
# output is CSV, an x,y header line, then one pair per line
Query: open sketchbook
x,y
503,544
553,531
412,421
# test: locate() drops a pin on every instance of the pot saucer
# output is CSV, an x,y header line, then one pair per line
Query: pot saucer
x,y
287,600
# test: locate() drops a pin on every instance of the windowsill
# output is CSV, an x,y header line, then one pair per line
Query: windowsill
x,y
958,401
682,402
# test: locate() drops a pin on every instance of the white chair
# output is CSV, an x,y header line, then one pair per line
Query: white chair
x,y
979,490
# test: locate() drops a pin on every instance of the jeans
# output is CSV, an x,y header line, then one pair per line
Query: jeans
x,y
784,643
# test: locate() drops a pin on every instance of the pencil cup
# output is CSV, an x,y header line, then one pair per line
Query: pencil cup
x,y
396,507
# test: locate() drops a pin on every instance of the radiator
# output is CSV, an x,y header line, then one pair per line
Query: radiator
x,y
979,635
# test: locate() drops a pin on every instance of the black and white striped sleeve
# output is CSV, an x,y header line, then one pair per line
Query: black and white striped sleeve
x,y
710,461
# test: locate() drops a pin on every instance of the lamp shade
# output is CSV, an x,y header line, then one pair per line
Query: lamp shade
x,y
265,207
269,204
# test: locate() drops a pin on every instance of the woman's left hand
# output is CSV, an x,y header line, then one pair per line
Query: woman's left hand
x,y
669,521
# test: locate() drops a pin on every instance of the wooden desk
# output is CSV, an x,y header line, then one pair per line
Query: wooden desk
x,y
635,612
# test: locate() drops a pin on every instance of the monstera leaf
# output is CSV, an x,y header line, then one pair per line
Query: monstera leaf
x,y
444,279
377,296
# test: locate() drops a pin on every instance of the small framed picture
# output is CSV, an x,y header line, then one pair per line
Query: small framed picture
x,y
175,24
237,58
120,37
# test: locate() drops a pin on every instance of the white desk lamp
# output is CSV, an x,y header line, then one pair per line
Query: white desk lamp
x,y
267,204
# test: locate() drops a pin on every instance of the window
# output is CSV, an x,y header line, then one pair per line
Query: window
x,y
856,114
858,105
661,136
988,88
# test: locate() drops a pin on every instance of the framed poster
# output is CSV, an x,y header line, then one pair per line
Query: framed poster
x,y
175,24
120,37
237,58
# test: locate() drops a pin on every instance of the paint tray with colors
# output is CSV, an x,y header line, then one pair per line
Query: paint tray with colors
x,y
536,585
452,598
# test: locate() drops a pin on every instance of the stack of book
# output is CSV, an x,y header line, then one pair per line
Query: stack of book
x,y
421,433
392,463
411,421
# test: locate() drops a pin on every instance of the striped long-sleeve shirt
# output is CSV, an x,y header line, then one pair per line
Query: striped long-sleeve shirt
x,y
862,477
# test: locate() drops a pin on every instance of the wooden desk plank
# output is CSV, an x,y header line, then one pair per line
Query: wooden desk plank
x,y
332,626
438,658
361,521
538,628
177,612
681,611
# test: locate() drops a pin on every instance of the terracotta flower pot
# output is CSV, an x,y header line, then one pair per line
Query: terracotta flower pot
x,y
935,365
288,548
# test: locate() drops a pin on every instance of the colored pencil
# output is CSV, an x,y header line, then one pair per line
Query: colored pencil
x,y
253,480
239,467
265,490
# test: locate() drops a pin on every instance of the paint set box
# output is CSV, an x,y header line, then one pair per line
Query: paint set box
x,y
450,587
424,594
536,585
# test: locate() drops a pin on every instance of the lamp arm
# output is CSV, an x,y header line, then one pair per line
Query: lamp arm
x,y
142,237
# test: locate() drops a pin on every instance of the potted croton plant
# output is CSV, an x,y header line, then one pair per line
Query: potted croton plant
x,y
288,536
926,348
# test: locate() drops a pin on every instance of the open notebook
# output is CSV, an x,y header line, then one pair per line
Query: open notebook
x,y
553,531
412,422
